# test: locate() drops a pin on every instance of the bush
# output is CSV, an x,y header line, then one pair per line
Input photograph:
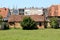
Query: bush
x,y
28,23
54,23
4,26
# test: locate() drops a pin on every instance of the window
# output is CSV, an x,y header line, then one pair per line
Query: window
x,y
5,9
11,23
21,13
40,24
21,10
0,10
58,16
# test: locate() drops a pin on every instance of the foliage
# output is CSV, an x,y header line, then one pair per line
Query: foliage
x,y
1,19
28,23
3,25
6,26
54,23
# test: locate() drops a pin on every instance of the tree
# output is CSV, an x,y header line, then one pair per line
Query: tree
x,y
1,21
3,25
28,23
54,23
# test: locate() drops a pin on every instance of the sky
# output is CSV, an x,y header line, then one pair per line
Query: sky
x,y
27,3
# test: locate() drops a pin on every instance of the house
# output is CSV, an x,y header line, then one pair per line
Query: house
x,y
21,11
33,11
37,14
14,20
14,11
4,13
54,11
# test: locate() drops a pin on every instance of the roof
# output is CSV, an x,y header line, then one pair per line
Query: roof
x,y
18,18
3,12
54,10
32,8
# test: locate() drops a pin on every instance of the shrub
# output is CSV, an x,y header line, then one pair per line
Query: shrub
x,y
4,26
54,23
1,21
28,23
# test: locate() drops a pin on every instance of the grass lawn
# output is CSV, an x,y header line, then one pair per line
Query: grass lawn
x,y
18,34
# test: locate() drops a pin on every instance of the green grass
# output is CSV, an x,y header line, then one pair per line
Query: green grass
x,y
17,34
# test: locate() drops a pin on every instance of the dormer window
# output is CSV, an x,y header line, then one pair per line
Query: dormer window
x,y
0,10
5,8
